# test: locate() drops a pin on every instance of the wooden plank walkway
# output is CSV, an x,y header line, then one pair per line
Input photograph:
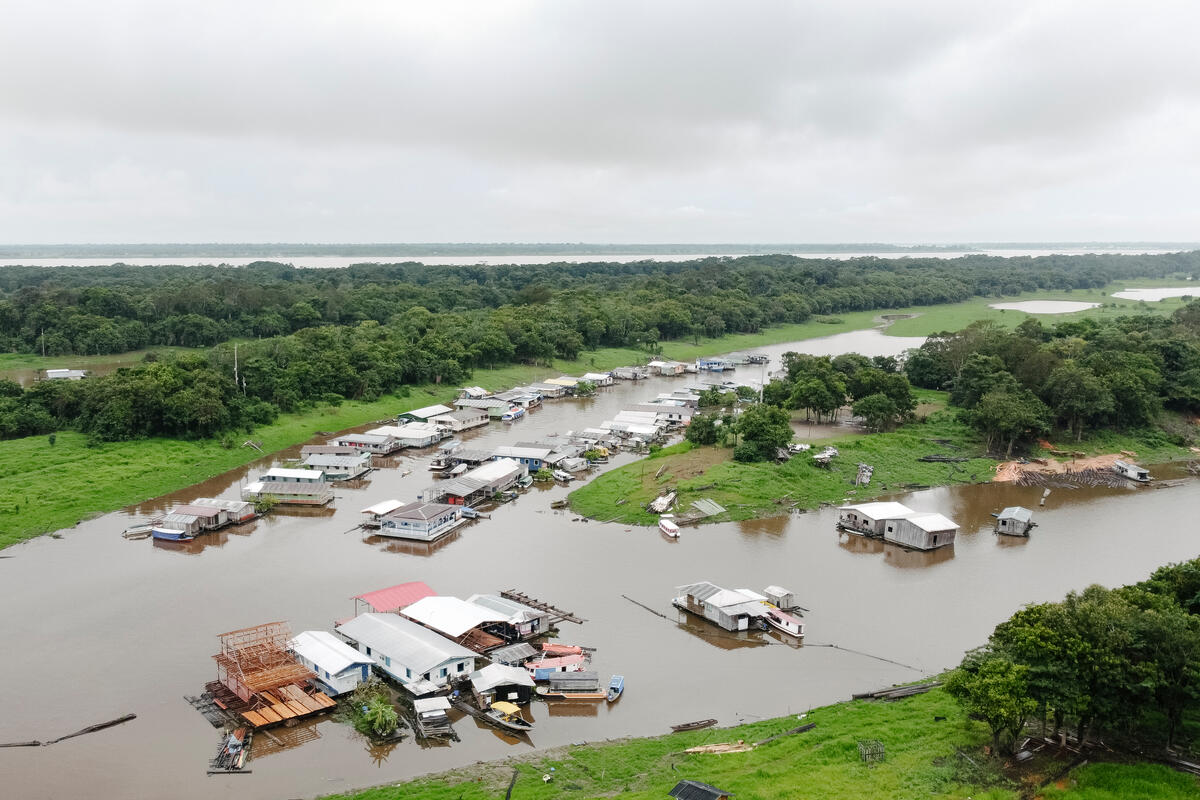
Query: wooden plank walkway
x,y
556,614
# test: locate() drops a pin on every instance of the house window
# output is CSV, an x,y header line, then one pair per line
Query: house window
x,y
462,665
368,651
387,660
407,672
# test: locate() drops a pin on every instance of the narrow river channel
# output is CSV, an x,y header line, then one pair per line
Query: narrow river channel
x,y
96,626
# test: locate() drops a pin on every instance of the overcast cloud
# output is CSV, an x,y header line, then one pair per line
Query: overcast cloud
x,y
393,121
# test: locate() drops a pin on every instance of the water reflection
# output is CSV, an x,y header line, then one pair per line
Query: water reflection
x,y
769,526
903,558
271,741
407,547
567,708
719,637
380,752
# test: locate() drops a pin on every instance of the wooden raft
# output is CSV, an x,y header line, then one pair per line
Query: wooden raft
x,y
275,706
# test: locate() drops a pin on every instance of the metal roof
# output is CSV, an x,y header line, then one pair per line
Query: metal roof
x,y
294,474
184,518
364,438
495,470
228,505
880,510
514,653
933,522
701,590
395,597
522,452
387,506
427,411
328,652
516,612
708,507
485,402
1019,513
695,790
494,675
450,615
330,460
427,704
575,680
419,510
414,646
197,510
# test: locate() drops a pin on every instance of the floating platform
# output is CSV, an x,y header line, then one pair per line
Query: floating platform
x,y
271,707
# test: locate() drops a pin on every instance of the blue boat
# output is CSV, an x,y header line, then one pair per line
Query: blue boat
x,y
171,535
615,687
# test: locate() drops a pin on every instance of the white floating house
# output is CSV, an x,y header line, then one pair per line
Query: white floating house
x,y
870,518
921,531
339,667
526,621
238,511
1014,521
65,374
423,662
1131,471
414,434
378,444
461,419
340,468
424,414
731,609
372,516
306,487
599,378
499,682
422,522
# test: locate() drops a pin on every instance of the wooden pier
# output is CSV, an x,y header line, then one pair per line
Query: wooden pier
x,y
556,614
271,707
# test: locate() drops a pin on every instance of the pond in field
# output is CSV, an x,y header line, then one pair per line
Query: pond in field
x,y
1045,306
99,626
1151,295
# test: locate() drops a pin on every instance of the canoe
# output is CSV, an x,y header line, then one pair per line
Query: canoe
x,y
561,649
694,726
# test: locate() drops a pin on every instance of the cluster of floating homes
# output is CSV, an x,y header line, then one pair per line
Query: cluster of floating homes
x,y
899,524
185,522
441,650
742,609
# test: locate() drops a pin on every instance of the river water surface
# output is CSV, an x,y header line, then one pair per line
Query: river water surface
x,y
96,626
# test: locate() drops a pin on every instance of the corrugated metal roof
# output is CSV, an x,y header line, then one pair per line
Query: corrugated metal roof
x,y
708,507
364,438
379,509
423,511
701,590
459,487
327,651
575,680
428,411
293,474
514,653
522,452
1019,513
494,675
428,704
696,790
516,612
933,522
395,597
197,510
880,510
329,460
414,646
450,615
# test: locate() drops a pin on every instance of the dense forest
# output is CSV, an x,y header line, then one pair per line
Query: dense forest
x,y
1124,663
326,335
99,310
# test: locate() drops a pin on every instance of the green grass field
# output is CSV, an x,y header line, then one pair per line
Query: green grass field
x,y
749,491
922,761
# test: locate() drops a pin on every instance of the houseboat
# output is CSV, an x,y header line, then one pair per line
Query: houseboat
x,y
782,621
574,686
1131,471
542,668
420,521
731,609
461,419
514,413
294,486
1014,521
432,719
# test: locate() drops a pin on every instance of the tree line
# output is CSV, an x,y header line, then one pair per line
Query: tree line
x,y
102,310
1123,662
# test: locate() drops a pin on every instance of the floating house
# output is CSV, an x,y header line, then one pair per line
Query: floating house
x,y
871,518
306,487
467,624
670,412
731,609
631,373
551,390
479,484
525,622
423,522
393,598
500,682
1131,471
422,661
424,414
599,378
237,511
372,516
461,419
515,655
328,450
473,392
566,381
532,457
376,443
921,531
65,374
340,468
494,407
338,666
665,368
472,458
1014,521
432,719
209,517
414,434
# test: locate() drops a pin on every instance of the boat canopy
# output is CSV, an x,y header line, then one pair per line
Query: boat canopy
x,y
505,707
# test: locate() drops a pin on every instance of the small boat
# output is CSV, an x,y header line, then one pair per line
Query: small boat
x,y
576,686
171,535
469,513
563,475
562,694
525,481
668,527
615,687
544,668
561,649
694,726
140,531
513,413
507,715
784,622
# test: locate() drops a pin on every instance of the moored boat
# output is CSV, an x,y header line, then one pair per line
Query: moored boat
x,y
563,475
694,726
668,527
544,668
551,649
513,413
508,715
171,535
139,531
574,686
784,622
615,687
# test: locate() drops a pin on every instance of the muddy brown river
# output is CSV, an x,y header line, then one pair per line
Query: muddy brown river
x,y
96,626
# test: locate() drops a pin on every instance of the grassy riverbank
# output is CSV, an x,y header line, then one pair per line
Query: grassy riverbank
x,y
749,491
922,761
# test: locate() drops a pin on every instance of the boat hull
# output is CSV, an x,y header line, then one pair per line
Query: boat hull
x,y
168,535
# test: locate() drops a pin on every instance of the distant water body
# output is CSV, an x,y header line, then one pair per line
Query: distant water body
x,y
340,262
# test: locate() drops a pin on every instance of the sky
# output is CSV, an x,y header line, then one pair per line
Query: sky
x,y
613,121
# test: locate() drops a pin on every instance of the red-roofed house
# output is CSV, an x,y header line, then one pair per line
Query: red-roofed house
x,y
392,598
